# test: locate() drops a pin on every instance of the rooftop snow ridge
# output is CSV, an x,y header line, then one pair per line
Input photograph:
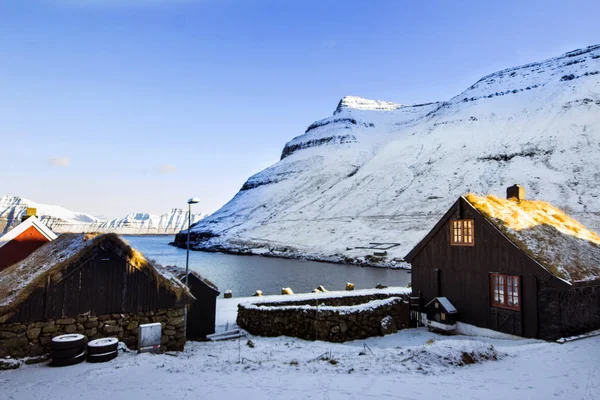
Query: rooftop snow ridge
x,y
359,103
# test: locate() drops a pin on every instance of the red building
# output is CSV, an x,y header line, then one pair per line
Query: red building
x,y
23,240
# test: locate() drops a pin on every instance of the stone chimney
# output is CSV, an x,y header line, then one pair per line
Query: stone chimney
x,y
515,191
29,212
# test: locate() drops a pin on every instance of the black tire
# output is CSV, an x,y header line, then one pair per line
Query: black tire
x,y
64,362
68,342
68,353
100,358
102,346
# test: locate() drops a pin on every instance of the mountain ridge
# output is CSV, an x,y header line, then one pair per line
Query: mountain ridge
x,y
61,220
385,173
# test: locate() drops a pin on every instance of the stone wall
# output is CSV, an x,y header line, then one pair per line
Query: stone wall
x,y
33,339
567,313
335,319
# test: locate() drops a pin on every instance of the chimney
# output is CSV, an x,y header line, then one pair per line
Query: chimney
x,y
29,212
515,192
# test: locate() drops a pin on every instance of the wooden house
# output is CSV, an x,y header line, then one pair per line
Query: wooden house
x,y
441,315
94,285
23,240
202,313
512,265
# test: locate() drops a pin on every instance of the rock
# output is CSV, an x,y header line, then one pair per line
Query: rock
x,y
90,325
37,360
44,324
80,328
16,328
109,329
19,352
388,326
228,294
168,333
132,325
322,289
5,365
65,321
45,340
91,332
7,335
349,286
33,333
82,318
103,317
287,290
50,329
70,328
258,293
14,342
35,350
176,321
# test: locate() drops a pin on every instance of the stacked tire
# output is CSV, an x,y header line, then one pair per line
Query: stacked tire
x,y
102,350
67,350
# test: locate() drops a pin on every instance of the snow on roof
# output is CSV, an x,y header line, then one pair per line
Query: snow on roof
x,y
21,280
23,226
445,303
556,241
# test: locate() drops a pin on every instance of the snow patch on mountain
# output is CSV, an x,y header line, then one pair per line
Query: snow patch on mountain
x,y
378,175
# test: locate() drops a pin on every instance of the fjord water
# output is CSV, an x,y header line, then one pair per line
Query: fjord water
x,y
245,274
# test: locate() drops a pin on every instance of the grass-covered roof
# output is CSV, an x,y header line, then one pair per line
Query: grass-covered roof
x,y
19,281
561,244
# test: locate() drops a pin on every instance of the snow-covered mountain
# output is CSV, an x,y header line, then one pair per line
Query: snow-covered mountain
x,y
61,220
381,172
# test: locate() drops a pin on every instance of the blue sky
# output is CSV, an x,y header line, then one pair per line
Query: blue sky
x,y
115,106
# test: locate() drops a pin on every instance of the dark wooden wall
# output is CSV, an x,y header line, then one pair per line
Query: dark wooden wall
x,y
202,313
461,273
102,283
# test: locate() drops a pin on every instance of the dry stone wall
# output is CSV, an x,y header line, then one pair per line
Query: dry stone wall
x,y
33,339
336,319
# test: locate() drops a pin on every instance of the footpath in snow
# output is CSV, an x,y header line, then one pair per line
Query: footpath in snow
x,y
412,364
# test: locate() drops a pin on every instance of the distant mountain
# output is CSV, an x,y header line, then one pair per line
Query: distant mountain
x,y
382,172
61,220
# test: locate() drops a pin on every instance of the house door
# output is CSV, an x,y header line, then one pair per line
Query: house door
x,y
506,321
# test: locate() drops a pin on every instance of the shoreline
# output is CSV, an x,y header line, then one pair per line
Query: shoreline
x,y
403,265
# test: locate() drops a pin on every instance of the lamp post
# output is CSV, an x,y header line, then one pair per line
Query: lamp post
x,y
193,200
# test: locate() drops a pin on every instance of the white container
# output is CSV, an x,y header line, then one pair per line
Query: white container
x,y
149,336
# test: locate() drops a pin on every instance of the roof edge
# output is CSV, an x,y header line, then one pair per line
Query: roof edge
x,y
32,221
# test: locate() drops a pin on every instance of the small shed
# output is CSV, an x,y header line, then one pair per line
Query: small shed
x,y
441,315
23,240
97,286
202,313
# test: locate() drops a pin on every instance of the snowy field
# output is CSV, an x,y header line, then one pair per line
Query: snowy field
x,y
412,364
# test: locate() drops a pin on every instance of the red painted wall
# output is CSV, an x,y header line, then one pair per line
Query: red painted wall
x,y
20,247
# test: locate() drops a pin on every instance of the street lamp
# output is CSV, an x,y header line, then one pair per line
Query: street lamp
x,y
193,200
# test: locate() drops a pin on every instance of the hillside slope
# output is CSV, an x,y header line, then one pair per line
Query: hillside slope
x,y
383,172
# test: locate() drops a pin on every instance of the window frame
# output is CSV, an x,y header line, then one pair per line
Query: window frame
x,y
507,293
462,229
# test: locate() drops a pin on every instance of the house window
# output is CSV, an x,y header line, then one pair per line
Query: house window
x,y
505,291
462,233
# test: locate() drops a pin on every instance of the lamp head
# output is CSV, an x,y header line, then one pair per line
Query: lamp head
x,y
194,200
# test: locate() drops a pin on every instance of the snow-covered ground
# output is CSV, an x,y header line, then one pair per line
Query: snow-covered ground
x,y
383,172
412,364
